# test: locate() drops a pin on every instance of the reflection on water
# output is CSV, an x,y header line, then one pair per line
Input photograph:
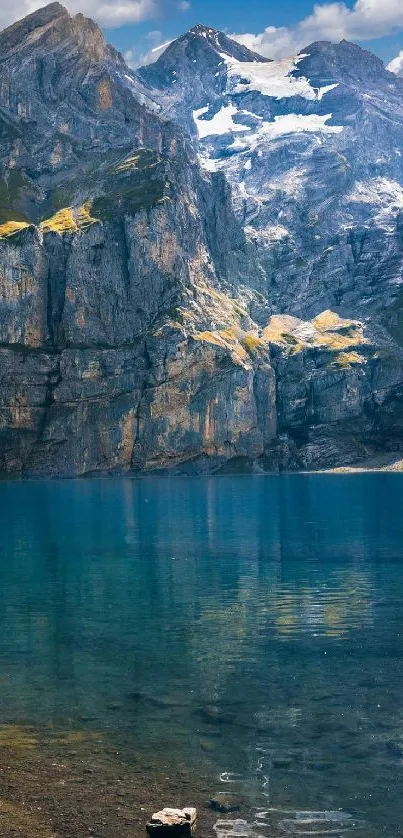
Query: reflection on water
x,y
247,629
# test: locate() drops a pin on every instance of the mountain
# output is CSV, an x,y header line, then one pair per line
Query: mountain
x,y
192,71
66,100
311,146
115,252
200,261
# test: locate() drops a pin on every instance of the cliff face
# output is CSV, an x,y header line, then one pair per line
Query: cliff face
x,y
107,353
116,254
142,324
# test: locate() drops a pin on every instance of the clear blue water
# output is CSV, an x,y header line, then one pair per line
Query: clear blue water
x,y
245,630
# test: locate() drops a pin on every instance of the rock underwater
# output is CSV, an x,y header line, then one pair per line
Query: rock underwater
x,y
173,822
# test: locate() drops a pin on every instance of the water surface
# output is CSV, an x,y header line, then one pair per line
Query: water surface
x,y
243,632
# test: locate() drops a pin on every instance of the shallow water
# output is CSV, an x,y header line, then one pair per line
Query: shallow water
x,y
243,632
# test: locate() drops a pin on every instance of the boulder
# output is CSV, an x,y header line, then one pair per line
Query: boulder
x,y
174,823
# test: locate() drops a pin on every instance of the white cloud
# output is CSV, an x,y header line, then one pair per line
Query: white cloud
x,y
396,65
329,22
118,13
109,13
153,54
154,37
130,59
136,59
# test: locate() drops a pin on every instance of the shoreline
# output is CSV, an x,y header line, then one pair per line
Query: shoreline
x,y
72,783
385,464
382,464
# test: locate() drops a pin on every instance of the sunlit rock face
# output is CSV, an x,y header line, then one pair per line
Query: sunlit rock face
x,y
200,261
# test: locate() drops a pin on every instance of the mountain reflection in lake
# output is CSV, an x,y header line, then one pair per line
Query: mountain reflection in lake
x,y
244,630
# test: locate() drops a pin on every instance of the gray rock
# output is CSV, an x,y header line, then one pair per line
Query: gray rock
x,y
172,822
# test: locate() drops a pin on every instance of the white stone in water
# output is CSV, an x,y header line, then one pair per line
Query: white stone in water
x,y
172,822
191,814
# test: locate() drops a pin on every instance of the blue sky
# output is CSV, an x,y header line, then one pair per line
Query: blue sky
x,y
254,16
273,27
231,15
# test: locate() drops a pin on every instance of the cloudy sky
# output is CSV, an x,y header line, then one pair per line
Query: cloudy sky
x,y
270,27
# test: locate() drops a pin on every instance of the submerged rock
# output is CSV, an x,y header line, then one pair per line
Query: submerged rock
x,y
172,822
223,802
214,715
207,745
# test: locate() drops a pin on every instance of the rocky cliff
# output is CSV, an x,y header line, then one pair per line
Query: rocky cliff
x,y
199,262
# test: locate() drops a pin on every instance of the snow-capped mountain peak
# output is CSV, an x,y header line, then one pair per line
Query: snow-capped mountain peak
x,y
224,45
194,69
292,138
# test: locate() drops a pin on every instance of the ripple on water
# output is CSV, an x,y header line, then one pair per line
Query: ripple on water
x,y
283,822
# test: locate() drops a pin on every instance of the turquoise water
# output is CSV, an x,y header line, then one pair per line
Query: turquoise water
x,y
248,629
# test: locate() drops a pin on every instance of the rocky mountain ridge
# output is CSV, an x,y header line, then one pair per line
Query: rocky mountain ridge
x,y
187,281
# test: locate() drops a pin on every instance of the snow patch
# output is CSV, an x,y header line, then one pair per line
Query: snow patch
x,y
321,91
200,112
273,79
221,123
294,123
255,141
162,46
284,125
